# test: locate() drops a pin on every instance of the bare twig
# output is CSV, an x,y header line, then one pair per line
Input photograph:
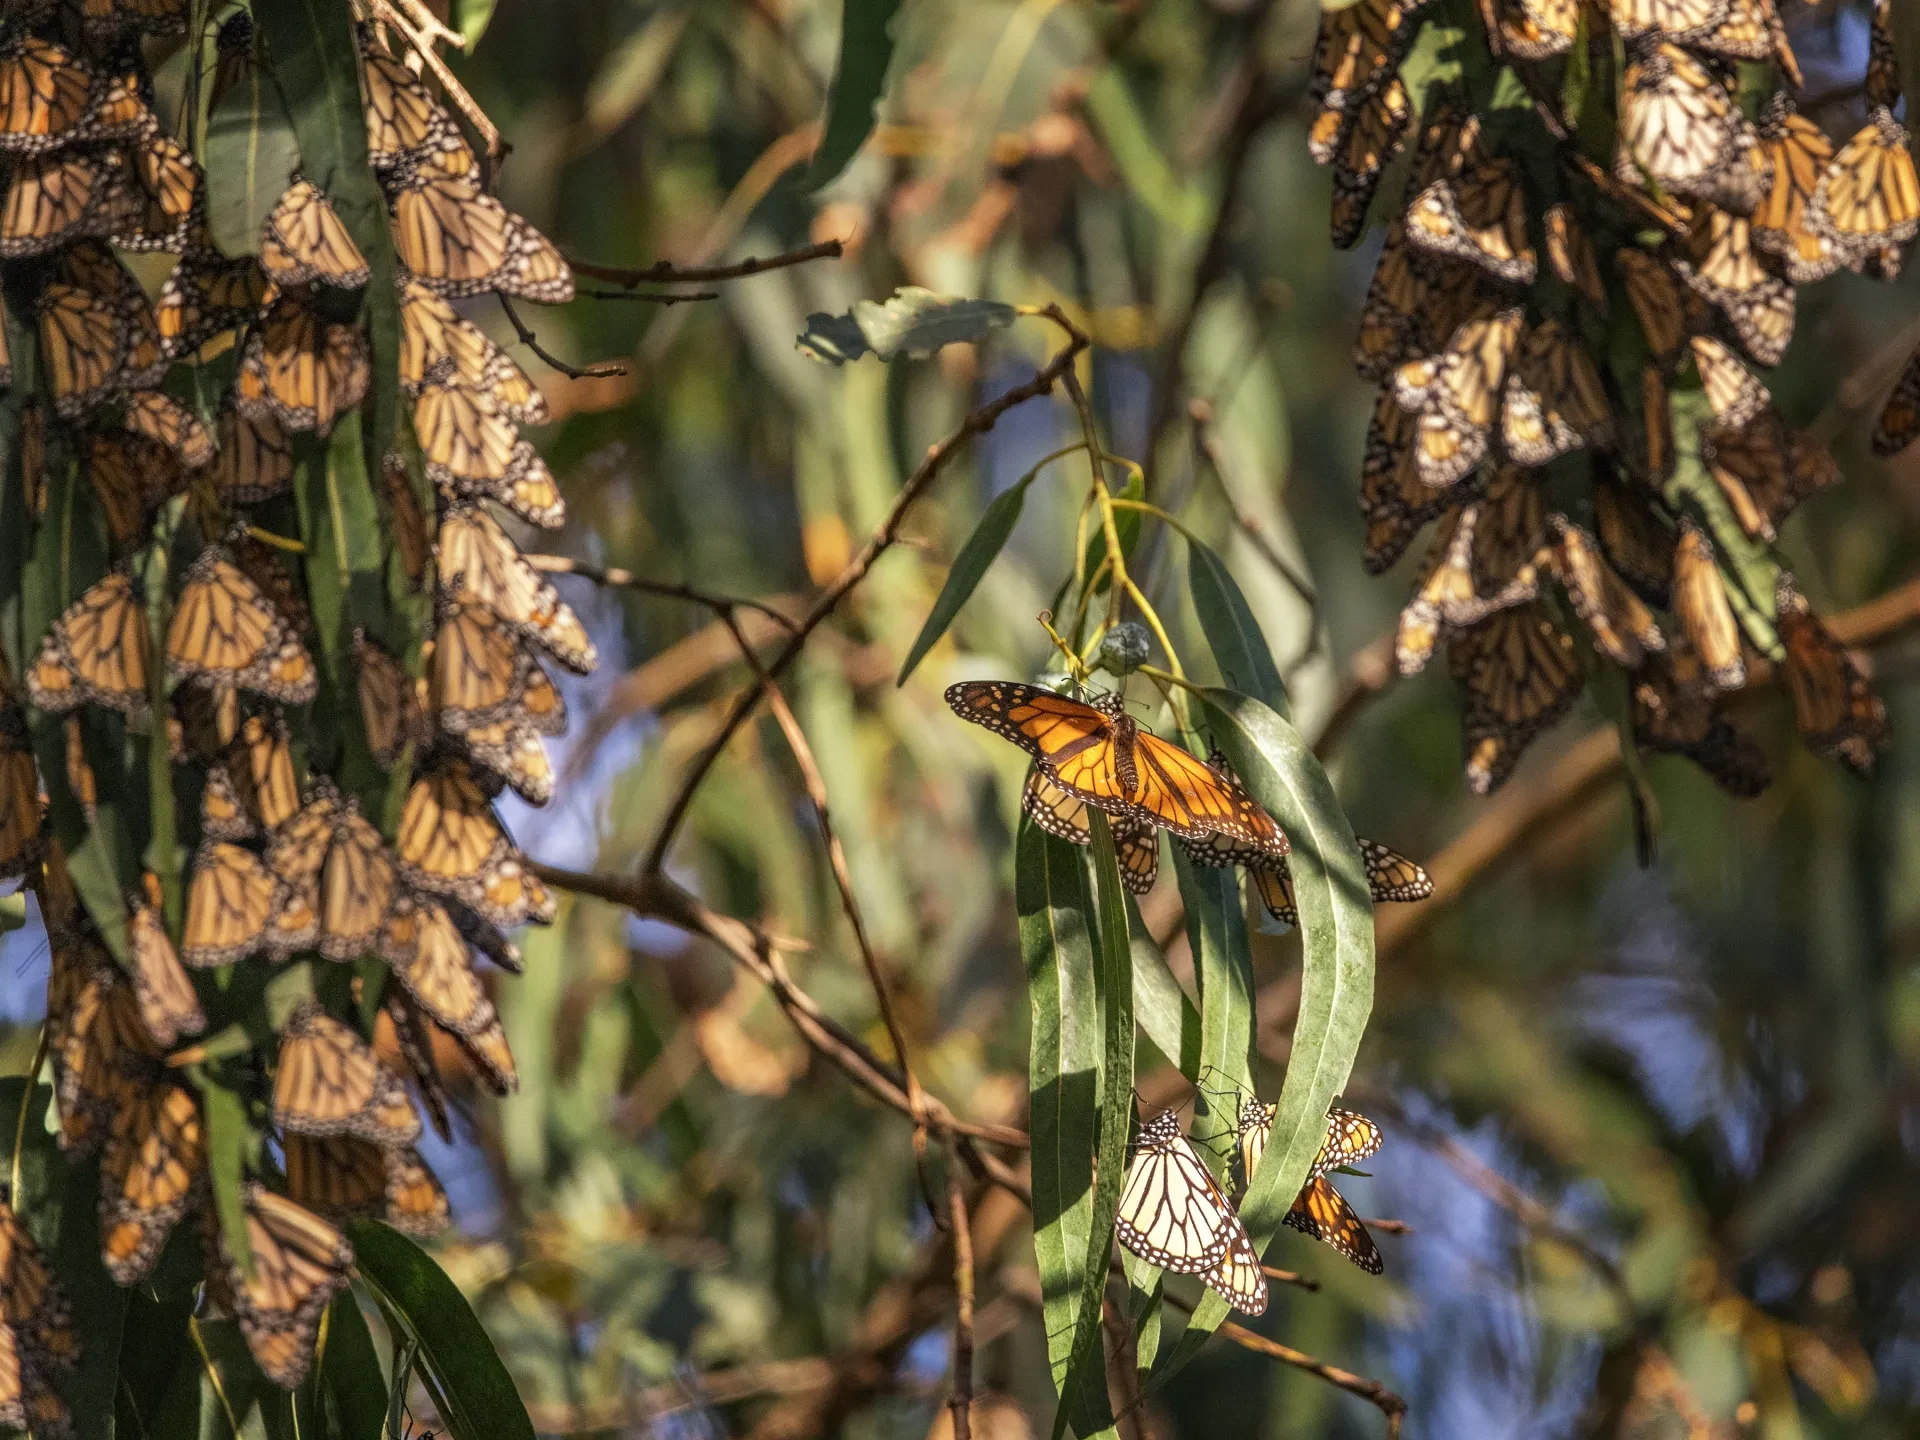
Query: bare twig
x,y
961,1402
651,297
1389,1404
532,342
1290,1277
654,896
619,579
1209,443
977,422
1388,1227
665,272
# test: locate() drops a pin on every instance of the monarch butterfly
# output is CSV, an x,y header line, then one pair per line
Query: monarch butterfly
x,y
110,19
84,337
1554,399
1059,813
300,370
1394,498
165,421
131,476
255,461
389,702
205,295
168,210
260,760
1359,47
298,848
450,843
305,241
168,1006
1320,1211
20,845
1372,135
62,196
411,1036
407,520
431,332
1391,877
1704,611
1172,1212
1681,128
473,449
230,900
1766,468
1799,154
327,1082
1899,420
1746,31
1883,61
37,1335
480,674
1718,262
1479,217
1736,396
1391,317
1867,202
1538,29
153,1161
403,121
1099,754
1673,713
475,553
299,1264
356,887
1622,627
102,1052
225,631
1834,707
429,959
1456,395
1520,673
1681,21
44,95
458,240
1570,253
340,1178
96,653
1631,536
1668,313
1459,587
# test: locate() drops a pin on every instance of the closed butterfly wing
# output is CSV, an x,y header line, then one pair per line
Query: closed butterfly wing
x,y
328,1083
300,370
1060,813
1391,876
1883,60
1733,392
475,553
1571,255
1898,423
34,1309
300,1263
168,1006
230,900
1455,396
1766,468
1668,313
1680,126
97,653
1674,713
1238,1279
58,197
1721,265
305,242
1867,202
20,839
357,886
1322,1213
1834,706
1622,627
1520,673
459,240
154,1160
255,461
1172,1213
1798,154
1704,610
1636,543
1479,217
1372,135
1394,498
1554,401
450,843
1538,29
44,95
226,632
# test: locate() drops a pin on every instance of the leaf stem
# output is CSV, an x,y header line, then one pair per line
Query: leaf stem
x,y
20,1121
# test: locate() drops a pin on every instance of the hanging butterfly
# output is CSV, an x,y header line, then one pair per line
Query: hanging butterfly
x,y
1621,626
165,997
1667,311
1060,813
1736,396
1834,706
1883,59
1554,400
224,631
327,1082
97,653
1394,499
1321,1212
20,837
1099,754
44,95
1765,468
231,900
205,295
1570,253
1466,580
154,1161
473,450
1681,127
1479,217
98,334
343,1178
1455,395
474,552
1371,136
37,1335
1520,673
1867,202
300,370
304,241
430,960
431,331
1719,263
1538,29
405,125
456,239
1705,612
299,1264
1674,713
1636,543
451,843
1174,1216
1799,153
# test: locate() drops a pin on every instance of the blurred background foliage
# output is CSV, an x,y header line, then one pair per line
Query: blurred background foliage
x,y
1652,1128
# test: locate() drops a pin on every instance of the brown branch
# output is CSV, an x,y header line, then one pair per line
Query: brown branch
x,y
532,342
1388,1227
1290,1277
977,422
651,297
616,578
665,272
719,1387
655,897
961,1402
1373,1392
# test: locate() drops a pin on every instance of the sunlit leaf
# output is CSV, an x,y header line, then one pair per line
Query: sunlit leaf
x,y
969,566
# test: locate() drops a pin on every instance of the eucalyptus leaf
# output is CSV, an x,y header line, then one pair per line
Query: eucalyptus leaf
x,y
859,77
1165,1011
252,154
1239,648
350,1373
914,322
969,567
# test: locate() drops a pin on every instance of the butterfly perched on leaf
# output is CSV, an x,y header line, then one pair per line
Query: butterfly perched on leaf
x,y
98,333
1455,395
300,1263
456,239
1174,1215
153,1165
1834,706
1099,753
45,94
1621,626
304,242
1061,813
429,957
450,843
97,652
1479,216
1320,1211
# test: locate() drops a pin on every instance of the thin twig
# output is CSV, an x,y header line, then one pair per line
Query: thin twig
x,y
423,46
651,297
665,272
816,785
977,422
528,339
1389,1404
619,579
1371,671
653,896
1388,1227
961,1402
1290,1277
1209,442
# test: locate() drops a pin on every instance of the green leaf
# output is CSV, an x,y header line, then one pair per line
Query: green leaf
x,y
1063,1068
1336,990
624,83
866,49
1747,565
914,322
1239,647
1223,967
227,1144
56,1202
1084,1396
350,1374
470,18
163,856
221,1394
1165,1012
969,566
482,1401
1182,206
13,911
251,156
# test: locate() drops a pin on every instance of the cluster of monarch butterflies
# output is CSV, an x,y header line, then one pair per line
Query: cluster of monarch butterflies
x,y
1174,1215
188,493
1529,399
1096,754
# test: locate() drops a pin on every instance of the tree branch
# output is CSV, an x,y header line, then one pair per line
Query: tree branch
x,y
1386,1401
961,1401
532,342
665,272
616,578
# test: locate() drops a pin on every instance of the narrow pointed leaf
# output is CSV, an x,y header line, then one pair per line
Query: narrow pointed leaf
x,y
969,566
